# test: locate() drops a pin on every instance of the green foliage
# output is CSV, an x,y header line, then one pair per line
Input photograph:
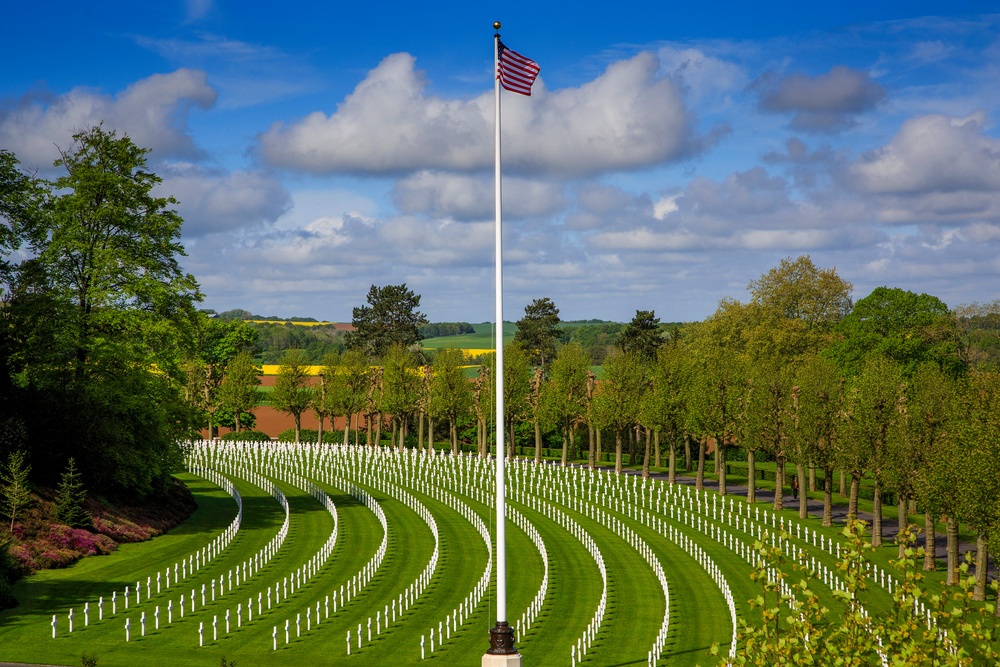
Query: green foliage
x,y
14,476
248,436
436,329
906,327
390,318
291,393
597,339
308,435
791,627
238,390
70,499
98,318
88,660
538,331
273,339
641,335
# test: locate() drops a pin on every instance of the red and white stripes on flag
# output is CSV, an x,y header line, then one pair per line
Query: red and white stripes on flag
x,y
516,72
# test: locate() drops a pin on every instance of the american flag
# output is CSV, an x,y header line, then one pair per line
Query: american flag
x,y
516,72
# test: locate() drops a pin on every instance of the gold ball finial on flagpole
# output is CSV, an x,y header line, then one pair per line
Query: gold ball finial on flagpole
x,y
496,25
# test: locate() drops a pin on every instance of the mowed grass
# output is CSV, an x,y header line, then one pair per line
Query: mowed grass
x,y
699,615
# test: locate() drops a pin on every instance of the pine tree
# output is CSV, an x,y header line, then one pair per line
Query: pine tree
x,y
70,498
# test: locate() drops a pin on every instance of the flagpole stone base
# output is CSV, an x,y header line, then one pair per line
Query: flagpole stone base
x,y
502,652
508,660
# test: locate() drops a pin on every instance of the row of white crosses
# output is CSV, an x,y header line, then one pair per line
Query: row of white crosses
x,y
536,604
292,465
230,459
380,473
181,570
582,645
687,509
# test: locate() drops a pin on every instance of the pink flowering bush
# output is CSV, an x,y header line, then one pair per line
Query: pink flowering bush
x,y
122,530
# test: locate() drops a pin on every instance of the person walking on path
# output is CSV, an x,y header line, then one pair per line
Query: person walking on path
x,y
795,487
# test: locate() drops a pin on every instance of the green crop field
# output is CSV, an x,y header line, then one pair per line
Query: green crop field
x,y
606,564
481,340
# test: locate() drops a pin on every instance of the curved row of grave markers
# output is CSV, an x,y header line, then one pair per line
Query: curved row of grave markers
x,y
600,496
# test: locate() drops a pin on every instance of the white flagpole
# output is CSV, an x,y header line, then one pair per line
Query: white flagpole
x,y
498,283
501,636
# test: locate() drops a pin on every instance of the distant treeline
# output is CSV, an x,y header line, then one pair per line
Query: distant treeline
x,y
437,329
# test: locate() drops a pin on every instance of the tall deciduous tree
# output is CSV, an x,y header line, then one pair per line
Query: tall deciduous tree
x,y
400,389
568,395
390,318
516,387
105,290
903,326
538,331
620,395
352,383
451,395
291,393
872,409
239,388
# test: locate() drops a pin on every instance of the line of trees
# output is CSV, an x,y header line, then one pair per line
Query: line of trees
x,y
891,391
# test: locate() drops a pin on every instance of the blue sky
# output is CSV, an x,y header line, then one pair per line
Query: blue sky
x,y
668,155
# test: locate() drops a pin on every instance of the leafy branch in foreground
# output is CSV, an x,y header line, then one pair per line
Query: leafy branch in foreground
x,y
788,625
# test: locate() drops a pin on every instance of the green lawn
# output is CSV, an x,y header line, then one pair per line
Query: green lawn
x,y
699,616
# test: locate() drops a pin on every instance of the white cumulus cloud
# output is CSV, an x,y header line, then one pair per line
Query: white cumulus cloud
x,y
629,116
152,111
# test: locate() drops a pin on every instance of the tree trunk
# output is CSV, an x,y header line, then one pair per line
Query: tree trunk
x,y
828,496
403,429
715,454
902,520
319,431
618,450
590,446
720,463
395,432
699,480
511,444
843,485
812,478
852,503
538,442
877,514
982,565
952,533
347,430
657,459
236,416
564,452
572,443
453,430
779,484
298,427
687,452
600,454
672,463
211,426
420,431
646,453
751,476
800,470
378,431
631,446
430,435
930,545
